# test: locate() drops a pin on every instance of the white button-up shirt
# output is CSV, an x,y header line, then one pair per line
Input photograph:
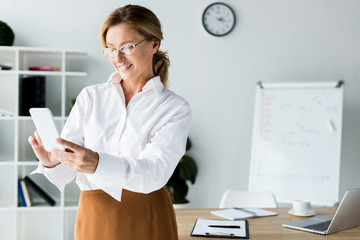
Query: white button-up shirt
x,y
139,145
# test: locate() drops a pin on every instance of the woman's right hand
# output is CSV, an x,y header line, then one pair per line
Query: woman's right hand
x,y
44,156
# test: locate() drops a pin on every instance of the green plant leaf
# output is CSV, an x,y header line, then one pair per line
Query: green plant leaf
x,y
188,144
174,177
7,35
180,190
188,169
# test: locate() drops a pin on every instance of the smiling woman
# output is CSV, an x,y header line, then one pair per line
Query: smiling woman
x,y
135,67
151,31
123,138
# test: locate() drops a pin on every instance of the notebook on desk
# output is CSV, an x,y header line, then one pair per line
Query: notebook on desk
x,y
243,213
346,216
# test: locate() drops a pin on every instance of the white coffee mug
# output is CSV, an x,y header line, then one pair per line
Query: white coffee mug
x,y
301,206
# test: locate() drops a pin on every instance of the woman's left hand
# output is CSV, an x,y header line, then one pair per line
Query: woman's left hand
x,y
76,157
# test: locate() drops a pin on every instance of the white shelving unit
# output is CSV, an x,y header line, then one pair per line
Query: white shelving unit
x,y
17,159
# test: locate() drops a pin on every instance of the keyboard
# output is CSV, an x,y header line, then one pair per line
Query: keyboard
x,y
323,226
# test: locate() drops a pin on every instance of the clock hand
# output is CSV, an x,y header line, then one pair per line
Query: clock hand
x,y
221,19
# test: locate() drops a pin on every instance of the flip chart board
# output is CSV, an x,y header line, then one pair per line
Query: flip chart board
x,y
296,143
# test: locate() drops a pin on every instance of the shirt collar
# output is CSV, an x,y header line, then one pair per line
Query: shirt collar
x,y
154,83
114,78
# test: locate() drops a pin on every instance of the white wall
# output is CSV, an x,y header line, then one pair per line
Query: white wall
x,y
278,40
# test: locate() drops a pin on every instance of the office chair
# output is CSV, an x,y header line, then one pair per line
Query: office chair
x,y
244,199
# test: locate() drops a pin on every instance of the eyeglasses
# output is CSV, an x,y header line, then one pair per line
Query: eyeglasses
x,y
127,50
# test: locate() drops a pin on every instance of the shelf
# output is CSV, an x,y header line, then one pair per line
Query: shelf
x,y
71,207
3,162
28,163
7,49
17,158
52,73
40,73
7,144
26,128
43,183
7,189
6,205
7,224
7,72
71,194
6,209
25,152
8,58
7,118
69,219
39,224
76,74
40,207
41,50
26,118
43,73
8,92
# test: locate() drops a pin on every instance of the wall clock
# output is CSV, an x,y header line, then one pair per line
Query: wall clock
x,y
218,19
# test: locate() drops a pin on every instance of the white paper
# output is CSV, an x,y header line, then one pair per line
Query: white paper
x,y
243,213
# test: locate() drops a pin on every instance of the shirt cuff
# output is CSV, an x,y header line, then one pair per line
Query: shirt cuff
x,y
59,175
110,175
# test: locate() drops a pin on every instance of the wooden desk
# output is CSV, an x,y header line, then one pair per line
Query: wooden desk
x,y
268,228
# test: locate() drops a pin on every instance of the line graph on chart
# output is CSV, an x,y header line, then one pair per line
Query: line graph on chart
x,y
297,143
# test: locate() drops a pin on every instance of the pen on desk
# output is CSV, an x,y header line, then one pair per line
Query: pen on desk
x,y
224,226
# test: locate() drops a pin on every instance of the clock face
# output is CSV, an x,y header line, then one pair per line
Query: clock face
x,y
218,19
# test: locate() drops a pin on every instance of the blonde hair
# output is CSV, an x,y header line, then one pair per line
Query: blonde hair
x,y
147,24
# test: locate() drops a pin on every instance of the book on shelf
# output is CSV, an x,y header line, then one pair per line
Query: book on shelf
x,y
43,68
25,193
5,67
32,93
21,194
39,191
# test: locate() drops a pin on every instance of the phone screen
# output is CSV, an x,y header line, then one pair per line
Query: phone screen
x,y
45,125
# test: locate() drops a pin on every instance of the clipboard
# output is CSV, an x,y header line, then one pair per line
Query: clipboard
x,y
220,228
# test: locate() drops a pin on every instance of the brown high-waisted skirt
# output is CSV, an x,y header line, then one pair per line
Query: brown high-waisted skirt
x,y
137,217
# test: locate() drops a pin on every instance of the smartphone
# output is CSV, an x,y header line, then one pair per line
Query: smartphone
x,y
45,125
